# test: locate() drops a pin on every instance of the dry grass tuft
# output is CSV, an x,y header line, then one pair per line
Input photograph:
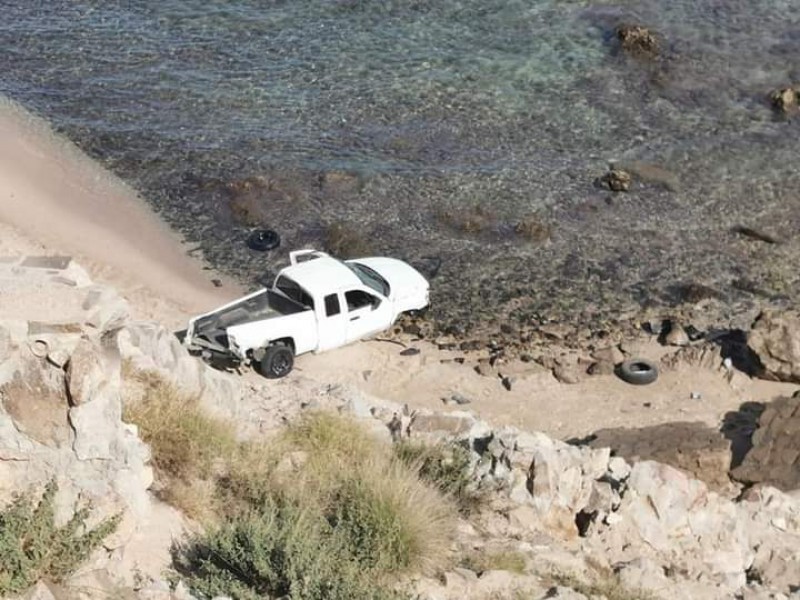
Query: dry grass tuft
x,y
187,445
505,560
603,584
382,513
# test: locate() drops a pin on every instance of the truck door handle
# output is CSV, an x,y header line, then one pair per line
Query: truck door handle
x,y
354,318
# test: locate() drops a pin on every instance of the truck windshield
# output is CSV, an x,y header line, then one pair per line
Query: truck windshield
x,y
370,278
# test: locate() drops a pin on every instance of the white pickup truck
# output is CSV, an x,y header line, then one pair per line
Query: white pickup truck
x,y
317,303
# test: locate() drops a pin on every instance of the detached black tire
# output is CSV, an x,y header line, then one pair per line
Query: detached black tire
x,y
637,371
277,362
263,240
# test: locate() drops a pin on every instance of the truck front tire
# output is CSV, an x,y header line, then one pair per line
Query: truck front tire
x,y
277,362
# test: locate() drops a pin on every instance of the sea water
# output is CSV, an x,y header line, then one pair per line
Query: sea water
x,y
435,130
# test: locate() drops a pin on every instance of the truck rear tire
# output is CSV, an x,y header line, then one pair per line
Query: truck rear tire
x,y
277,362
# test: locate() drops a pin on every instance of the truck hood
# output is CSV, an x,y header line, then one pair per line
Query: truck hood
x,y
405,281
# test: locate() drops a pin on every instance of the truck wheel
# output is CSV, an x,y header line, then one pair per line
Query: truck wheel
x,y
277,362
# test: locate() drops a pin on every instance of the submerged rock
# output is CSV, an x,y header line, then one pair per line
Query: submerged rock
x,y
785,100
637,40
617,180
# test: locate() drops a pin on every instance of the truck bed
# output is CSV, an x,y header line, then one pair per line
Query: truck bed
x,y
266,305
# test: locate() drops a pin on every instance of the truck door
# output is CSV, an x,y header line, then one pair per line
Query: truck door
x,y
366,313
331,323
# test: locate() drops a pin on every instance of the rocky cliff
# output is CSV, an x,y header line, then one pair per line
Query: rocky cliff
x,y
568,508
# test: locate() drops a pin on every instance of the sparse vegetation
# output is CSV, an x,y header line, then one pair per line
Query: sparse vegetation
x,y
32,547
323,510
186,443
602,584
505,560
280,550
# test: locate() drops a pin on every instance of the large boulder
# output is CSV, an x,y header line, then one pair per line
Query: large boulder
x,y
547,482
698,449
774,458
775,338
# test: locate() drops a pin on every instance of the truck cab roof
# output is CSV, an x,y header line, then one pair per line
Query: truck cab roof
x,y
321,274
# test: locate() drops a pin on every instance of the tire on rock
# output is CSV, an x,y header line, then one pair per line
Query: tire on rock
x,y
277,361
637,371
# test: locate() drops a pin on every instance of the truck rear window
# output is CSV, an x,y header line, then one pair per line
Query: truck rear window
x,y
332,305
292,290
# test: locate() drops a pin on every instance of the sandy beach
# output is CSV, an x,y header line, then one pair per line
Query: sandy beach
x,y
57,201
53,194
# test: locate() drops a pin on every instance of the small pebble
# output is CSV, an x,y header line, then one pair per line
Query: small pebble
x,y
409,352
457,399
696,396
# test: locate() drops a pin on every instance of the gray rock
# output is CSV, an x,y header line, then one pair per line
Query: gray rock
x,y
40,591
457,398
447,424
618,468
605,360
643,574
96,426
357,406
5,343
560,592
106,310
85,372
567,374
677,335
775,338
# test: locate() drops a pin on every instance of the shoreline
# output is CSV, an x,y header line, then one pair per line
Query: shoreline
x,y
57,200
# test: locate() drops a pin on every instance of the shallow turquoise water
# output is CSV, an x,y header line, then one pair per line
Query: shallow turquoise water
x,y
435,107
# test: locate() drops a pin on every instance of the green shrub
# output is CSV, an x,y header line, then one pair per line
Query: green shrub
x,y
281,550
33,548
344,520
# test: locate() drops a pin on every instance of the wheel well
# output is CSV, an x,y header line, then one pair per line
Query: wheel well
x,y
258,353
284,342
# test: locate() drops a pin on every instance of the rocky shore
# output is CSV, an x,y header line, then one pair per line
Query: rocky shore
x,y
576,513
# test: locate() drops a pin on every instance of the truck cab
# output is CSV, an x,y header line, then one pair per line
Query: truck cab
x,y
317,303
